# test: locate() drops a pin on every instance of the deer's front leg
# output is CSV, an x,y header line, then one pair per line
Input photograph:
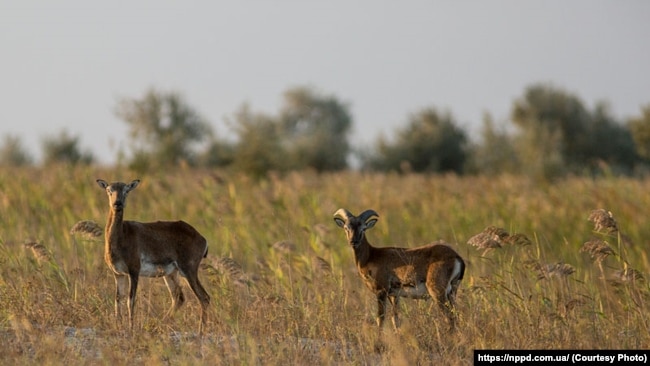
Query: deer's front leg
x,y
121,282
394,300
133,288
381,308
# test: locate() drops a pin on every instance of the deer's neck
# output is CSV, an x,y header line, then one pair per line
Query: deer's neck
x,y
362,253
114,232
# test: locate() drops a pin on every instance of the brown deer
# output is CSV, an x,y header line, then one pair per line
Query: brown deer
x,y
152,249
433,270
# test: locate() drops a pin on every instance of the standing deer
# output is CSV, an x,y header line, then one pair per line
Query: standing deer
x,y
151,249
433,270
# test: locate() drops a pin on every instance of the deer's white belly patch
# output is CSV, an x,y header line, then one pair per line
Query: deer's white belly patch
x,y
149,269
119,267
418,291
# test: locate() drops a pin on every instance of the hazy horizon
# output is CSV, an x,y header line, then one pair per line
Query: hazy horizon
x,y
66,65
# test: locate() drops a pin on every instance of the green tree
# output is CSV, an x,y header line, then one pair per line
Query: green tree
x,y
259,149
431,142
314,130
557,118
12,152
611,142
539,150
559,135
164,129
495,154
640,130
309,132
219,153
64,149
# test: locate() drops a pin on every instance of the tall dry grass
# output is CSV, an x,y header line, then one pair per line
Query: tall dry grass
x,y
545,268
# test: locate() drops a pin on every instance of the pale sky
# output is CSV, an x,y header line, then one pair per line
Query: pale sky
x,y
64,64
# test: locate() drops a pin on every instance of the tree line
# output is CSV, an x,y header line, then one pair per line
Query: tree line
x,y
550,133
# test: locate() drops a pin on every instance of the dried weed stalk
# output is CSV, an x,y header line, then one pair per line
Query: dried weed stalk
x,y
88,229
631,283
571,306
603,221
552,270
322,265
232,268
490,238
321,230
518,240
598,249
627,275
39,251
557,269
285,246
495,237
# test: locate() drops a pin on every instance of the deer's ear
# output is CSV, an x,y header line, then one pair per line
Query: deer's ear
x,y
370,223
133,184
339,222
102,183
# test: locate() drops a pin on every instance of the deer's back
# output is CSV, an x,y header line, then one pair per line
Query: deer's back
x,y
164,236
434,252
409,266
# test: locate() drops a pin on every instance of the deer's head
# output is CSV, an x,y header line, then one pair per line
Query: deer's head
x,y
117,193
355,226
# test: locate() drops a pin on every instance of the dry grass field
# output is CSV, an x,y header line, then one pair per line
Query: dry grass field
x,y
552,272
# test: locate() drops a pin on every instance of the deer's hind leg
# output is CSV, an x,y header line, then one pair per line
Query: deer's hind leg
x,y
176,292
191,274
437,283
